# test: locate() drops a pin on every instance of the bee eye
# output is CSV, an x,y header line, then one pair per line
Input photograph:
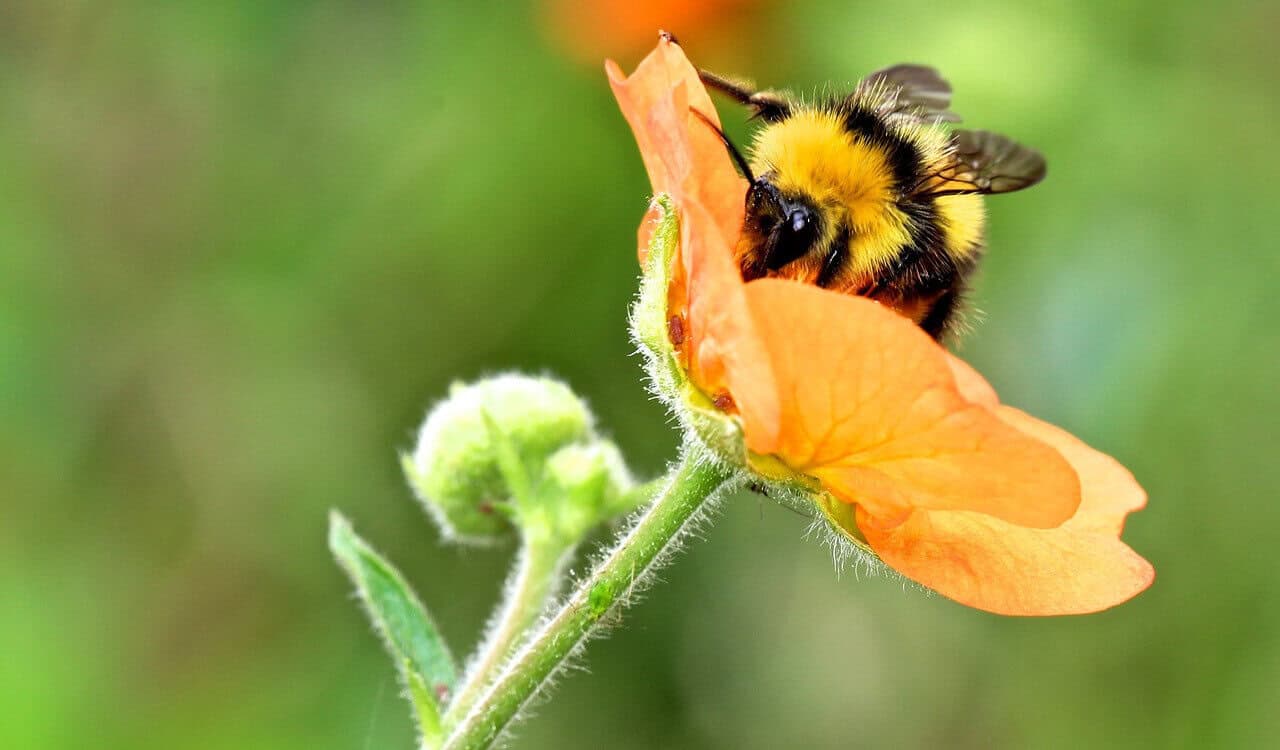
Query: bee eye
x,y
799,219
794,234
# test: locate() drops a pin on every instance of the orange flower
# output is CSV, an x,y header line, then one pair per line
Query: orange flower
x,y
905,448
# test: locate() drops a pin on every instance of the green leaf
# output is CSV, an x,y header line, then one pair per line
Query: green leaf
x,y
417,647
424,707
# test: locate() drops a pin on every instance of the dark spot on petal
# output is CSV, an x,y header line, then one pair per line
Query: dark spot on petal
x,y
723,401
675,329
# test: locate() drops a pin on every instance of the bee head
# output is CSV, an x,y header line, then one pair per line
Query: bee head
x,y
787,227
780,227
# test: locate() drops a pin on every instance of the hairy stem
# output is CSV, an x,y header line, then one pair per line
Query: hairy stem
x,y
533,581
691,484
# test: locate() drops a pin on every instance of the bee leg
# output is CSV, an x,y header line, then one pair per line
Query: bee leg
x,y
737,156
939,318
767,106
739,92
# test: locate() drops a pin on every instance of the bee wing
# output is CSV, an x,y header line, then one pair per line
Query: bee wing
x,y
986,163
910,90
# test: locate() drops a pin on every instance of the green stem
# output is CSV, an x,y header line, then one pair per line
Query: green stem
x,y
533,581
692,483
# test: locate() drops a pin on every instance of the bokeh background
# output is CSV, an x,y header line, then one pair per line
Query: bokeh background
x,y
245,244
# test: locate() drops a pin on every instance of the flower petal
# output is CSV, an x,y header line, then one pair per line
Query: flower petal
x,y
686,160
868,404
727,353
986,563
1108,491
972,385
683,155
1079,567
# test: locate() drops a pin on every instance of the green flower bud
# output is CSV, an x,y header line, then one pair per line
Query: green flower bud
x,y
485,445
582,486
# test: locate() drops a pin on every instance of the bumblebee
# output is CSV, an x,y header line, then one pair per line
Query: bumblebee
x,y
872,193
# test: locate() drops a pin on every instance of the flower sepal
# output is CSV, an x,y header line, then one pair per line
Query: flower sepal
x,y
658,331
804,494
650,328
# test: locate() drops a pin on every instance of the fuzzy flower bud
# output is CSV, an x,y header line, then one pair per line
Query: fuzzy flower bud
x,y
483,439
584,485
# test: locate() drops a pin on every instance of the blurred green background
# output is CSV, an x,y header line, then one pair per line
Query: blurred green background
x,y
244,245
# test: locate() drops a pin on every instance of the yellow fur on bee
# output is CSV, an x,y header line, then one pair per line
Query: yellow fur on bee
x,y
851,183
963,219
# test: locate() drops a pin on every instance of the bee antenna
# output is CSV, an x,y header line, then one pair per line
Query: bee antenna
x,y
733,150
